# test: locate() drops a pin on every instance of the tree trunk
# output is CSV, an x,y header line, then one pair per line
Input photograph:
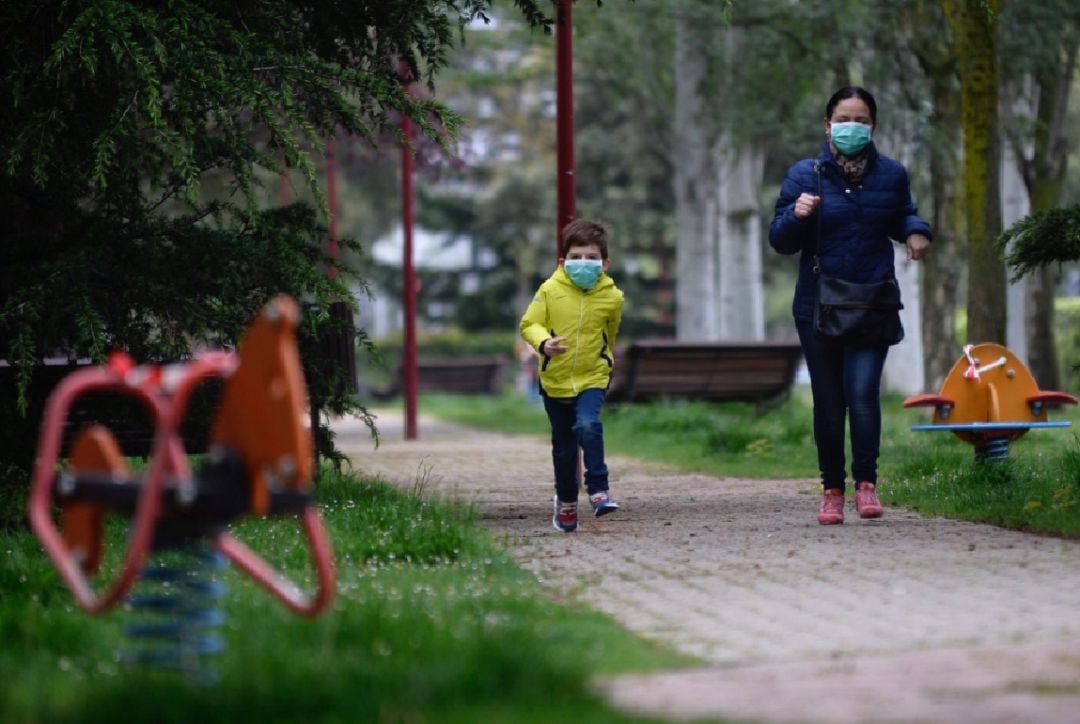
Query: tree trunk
x,y
742,303
973,23
1045,182
943,267
696,293
904,367
1015,206
719,287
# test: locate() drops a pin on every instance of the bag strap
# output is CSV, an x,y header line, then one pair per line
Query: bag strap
x,y
821,200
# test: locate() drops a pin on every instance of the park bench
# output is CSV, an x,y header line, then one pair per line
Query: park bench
x,y
759,372
474,375
126,417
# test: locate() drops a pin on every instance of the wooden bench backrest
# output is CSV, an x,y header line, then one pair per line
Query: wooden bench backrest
x,y
126,417
752,371
477,375
467,375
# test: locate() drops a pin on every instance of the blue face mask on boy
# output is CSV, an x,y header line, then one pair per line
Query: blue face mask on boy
x,y
849,138
584,272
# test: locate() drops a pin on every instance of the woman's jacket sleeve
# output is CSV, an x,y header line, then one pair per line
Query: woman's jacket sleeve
x,y
908,220
787,234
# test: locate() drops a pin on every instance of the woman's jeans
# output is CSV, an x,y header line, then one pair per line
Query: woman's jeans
x,y
575,422
844,380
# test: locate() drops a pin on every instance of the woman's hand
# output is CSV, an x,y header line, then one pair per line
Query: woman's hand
x,y
917,246
805,205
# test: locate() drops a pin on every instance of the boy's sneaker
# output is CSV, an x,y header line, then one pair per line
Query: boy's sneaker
x,y
832,507
602,503
866,501
565,518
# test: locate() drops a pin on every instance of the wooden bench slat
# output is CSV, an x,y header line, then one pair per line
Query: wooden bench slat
x,y
475,375
125,416
716,371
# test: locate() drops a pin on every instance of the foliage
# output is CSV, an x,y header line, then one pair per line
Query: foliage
x,y
432,623
503,193
1041,238
1067,316
135,139
624,101
624,94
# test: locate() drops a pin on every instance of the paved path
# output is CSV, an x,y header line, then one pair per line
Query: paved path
x,y
905,619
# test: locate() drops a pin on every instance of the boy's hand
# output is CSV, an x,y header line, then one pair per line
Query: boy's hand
x,y
554,346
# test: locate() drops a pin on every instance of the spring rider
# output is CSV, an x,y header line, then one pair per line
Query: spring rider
x,y
259,462
988,399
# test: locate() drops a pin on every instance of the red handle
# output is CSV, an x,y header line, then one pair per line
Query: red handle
x,y
282,588
166,392
164,458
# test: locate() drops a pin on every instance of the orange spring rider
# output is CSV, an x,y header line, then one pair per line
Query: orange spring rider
x,y
259,462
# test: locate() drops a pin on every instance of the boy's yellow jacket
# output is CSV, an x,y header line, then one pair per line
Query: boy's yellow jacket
x,y
589,320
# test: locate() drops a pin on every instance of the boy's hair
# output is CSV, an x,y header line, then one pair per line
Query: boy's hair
x,y
581,232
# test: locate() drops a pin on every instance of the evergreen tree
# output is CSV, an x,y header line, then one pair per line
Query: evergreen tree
x,y
135,140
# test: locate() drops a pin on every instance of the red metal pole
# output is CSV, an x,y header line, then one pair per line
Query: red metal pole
x,y
564,117
564,135
411,381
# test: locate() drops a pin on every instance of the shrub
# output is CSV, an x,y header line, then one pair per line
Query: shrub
x,y
1067,318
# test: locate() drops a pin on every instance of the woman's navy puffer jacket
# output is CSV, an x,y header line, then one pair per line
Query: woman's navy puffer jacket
x,y
858,223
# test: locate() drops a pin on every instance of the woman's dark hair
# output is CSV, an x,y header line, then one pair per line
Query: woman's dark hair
x,y
852,91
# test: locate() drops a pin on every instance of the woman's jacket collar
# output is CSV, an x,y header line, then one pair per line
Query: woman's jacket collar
x,y
826,157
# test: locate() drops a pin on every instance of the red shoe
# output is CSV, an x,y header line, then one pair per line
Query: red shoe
x,y
565,517
832,507
866,501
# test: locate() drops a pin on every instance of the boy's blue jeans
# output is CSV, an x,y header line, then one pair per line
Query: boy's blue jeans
x,y
844,380
575,422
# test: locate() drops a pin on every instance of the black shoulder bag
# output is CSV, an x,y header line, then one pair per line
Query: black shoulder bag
x,y
864,315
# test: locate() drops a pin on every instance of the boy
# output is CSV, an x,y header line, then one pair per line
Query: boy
x,y
572,322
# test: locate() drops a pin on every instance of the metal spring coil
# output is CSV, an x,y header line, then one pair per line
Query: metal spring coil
x,y
175,614
996,449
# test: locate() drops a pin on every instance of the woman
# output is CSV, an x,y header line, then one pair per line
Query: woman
x,y
864,201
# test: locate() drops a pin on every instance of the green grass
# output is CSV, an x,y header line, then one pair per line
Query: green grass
x,y
1037,489
723,439
433,622
507,412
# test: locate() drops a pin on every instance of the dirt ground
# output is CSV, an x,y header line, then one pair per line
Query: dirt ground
x,y
904,619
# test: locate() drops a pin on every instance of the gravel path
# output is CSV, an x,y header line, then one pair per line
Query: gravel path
x,y
904,619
